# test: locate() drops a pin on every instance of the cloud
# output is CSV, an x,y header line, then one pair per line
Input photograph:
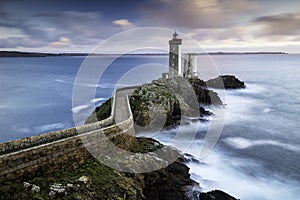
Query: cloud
x,y
56,29
71,24
238,6
63,41
280,24
194,13
15,42
216,23
124,23
12,32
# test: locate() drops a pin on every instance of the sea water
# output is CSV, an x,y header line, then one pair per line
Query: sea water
x,y
257,155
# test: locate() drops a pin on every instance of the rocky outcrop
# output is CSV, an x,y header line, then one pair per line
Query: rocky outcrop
x,y
100,113
172,99
225,82
94,180
216,195
169,183
172,182
168,100
165,100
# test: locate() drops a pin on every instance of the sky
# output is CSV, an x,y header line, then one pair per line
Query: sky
x,y
217,25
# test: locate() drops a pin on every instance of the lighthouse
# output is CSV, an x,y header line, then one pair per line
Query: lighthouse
x,y
174,56
190,65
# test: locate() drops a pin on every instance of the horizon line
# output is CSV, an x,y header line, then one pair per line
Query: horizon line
x,y
44,54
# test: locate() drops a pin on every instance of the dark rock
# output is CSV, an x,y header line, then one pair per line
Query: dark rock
x,y
172,182
174,98
191,158
225,82
216,195
205,96
169,183
164,101
100,113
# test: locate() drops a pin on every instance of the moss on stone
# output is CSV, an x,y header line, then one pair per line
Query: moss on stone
x,y
101,112
106,183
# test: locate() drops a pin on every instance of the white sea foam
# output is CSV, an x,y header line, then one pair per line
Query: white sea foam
x,y
243,143
219,172
96,100
252,88
238,108
59,81
77,109
90,104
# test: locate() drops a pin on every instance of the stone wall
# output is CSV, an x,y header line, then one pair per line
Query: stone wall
x,y
36,140
63,149
65,153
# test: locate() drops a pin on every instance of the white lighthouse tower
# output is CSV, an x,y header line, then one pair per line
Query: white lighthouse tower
x,y
174,56
190,65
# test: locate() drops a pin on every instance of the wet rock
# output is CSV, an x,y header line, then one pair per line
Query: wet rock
x,y
225,82
216,195
191,158
171,98
172,182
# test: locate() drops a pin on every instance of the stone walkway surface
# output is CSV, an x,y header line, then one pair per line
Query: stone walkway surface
x,y
121,112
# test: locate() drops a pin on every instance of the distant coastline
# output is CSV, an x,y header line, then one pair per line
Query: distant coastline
x,y
40,54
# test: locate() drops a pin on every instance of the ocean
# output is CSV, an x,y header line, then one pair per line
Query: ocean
x,y
257,154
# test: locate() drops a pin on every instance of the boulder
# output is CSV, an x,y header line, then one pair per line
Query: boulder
x,y
216,195
171,182
172,98
225,82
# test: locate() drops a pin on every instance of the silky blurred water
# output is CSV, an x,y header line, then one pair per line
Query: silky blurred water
x,y
257,156
36,93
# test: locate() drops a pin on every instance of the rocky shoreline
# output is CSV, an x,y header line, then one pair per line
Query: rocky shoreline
x,y
94,180
172,98
169,100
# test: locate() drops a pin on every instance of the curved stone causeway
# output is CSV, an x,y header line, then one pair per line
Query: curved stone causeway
x,y
65,149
